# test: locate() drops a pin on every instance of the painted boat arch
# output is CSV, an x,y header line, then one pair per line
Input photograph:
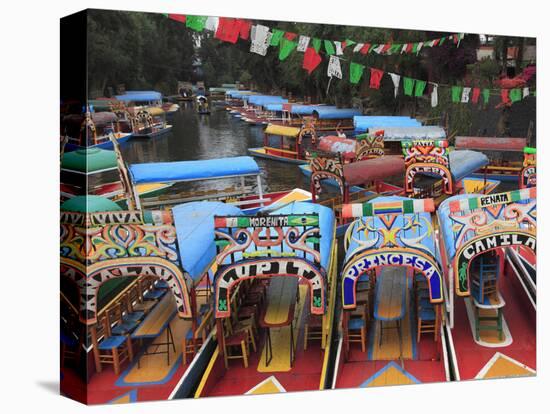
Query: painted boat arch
x,y
473,224
390,231
528,174
269,246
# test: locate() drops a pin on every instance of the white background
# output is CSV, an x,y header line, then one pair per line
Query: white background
x,y
29,162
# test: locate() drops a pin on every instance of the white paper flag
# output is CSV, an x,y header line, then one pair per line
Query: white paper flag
x,y
434,96
334,68
358,47
525,92
260,38
303,43
395,79
404,48
379,49
420,44
211,24
338,48
465,95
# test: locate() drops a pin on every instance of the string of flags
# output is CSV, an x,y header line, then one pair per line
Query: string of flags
x,y
230,29
262,38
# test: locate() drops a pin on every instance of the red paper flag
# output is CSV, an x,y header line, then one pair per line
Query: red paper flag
x,y
177,17
290,36
505,96
475,95
385,48
409,48
228,29
244,30
365,49
311,60
436,42
375,78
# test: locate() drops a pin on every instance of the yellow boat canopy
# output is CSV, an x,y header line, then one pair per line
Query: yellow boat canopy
x,y
155,111
282,130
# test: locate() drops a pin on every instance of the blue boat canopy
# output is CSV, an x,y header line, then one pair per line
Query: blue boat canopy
x,y
194,224
238,94
416,132
306,109
159,172
140,96
466,162
363,123
324,112
265,99
276,107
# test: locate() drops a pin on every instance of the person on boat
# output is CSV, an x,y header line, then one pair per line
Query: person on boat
x,y
340,131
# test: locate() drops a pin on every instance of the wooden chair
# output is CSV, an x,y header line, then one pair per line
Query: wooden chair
x,y
112,349
192,341
70,343
485,278
136,297
118,325
357,326
236,341
427,319
313,329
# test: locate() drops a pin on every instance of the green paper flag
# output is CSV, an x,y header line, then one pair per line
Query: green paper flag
x,y
415,47
355,72
408,85
515,95
486,93
349,42
329,47
419,87
395,48
286,47
456,93
196,22
276,37
316,43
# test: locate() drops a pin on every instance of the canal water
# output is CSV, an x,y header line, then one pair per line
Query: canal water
x,y
215,136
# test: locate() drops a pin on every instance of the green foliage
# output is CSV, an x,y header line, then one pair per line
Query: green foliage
x,y
140,50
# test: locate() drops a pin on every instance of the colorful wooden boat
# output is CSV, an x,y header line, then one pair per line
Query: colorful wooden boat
x,y
149,122
80,169
159,280
286,281
250,197
93,129
500,168
392,294
491,309
290,146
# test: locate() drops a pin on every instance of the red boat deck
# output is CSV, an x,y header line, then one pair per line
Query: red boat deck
x,y
515,359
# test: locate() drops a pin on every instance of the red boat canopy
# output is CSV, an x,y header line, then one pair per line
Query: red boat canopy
x,y
361,172
491,143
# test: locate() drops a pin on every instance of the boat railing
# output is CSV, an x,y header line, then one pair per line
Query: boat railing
x,y
170,199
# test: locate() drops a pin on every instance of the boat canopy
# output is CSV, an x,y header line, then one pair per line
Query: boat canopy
x,y
265,99
276,107
89,204
361,172
307,109
416,132
284,131
362,123
472,224
89,160
237,94
323,112
158,172
102,103
390,231
491,143
99,118
140,96
194,223
466,162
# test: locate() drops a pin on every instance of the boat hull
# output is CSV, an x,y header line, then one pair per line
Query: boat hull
x,y
261,153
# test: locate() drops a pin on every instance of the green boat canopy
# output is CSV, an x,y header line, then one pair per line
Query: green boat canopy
x,y
89,160
89,204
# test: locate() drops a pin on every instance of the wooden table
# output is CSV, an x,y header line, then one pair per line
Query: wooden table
x,y
155,322
390,299
281,301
